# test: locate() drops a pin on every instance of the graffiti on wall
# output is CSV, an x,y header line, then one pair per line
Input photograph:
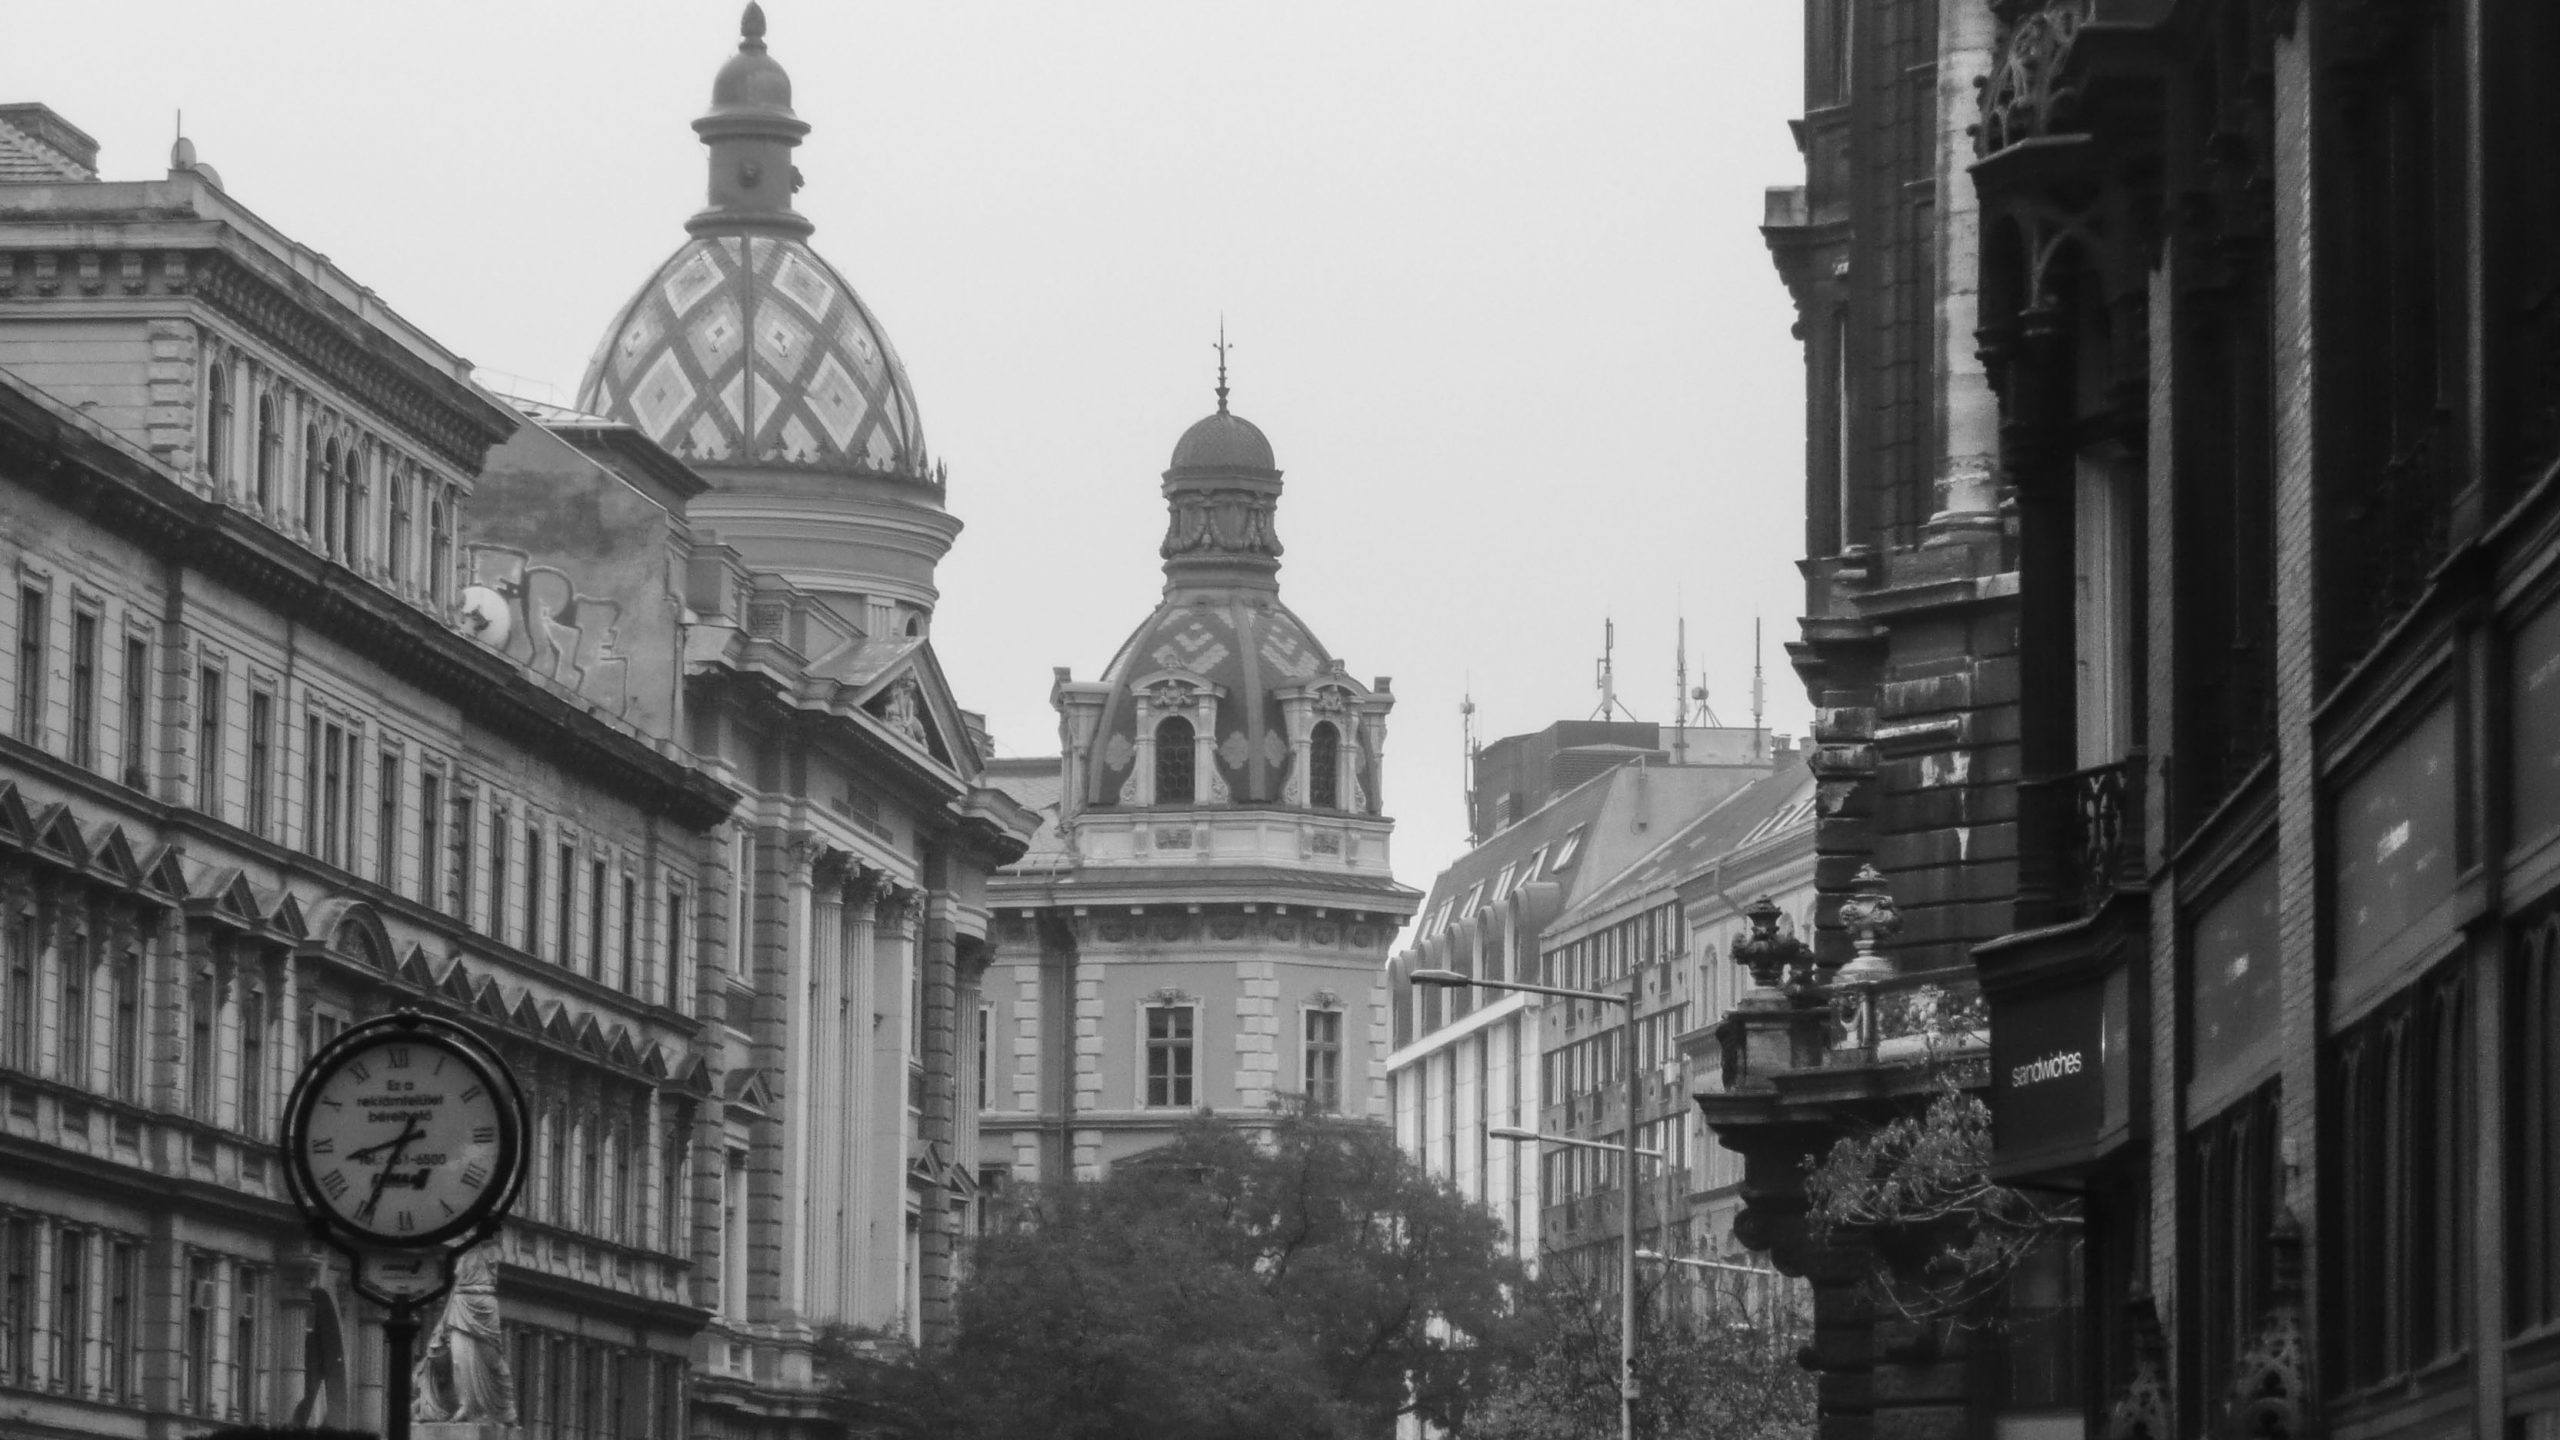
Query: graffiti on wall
x,y
534,615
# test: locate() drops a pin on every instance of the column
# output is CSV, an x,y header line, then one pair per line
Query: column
x,y
941,1124
1968,496
820,1198
800,1045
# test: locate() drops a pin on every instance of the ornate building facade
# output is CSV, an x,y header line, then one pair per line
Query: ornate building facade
x,y
341,685
2246,772
1200,922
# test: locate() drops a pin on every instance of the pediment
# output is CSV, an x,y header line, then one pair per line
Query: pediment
x,y
58,837
285,917
111,855
457,985
751,1086
17,822
165,876
417,969
912,699
226,894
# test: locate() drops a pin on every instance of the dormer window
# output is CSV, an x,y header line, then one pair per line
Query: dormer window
x,y
1174,773
1324,766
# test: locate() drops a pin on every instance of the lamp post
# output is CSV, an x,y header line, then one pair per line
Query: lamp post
x,y
1627,1150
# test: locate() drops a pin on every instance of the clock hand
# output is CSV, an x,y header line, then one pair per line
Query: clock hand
x,y
382,1180
409,1132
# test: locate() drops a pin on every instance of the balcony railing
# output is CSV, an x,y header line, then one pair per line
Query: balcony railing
x,y
2087,834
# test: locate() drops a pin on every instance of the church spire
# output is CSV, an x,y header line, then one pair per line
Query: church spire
x,y
1222,364
751,133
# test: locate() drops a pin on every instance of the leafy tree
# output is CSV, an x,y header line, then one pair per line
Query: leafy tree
x,y
1214,1289
1921,1184
1701,1369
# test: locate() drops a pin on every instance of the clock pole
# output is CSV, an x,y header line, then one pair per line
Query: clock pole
x,y
401,1271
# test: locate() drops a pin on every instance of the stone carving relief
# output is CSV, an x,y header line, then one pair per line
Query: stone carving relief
x,y
2025,96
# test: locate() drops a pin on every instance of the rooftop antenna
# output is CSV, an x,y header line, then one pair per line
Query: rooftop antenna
x,y
1608,677
1759,695
1680,697
1467,779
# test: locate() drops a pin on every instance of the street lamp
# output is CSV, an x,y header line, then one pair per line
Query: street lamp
x,y
1626,1004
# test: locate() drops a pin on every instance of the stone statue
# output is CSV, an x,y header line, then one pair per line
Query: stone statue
x,y
462,1374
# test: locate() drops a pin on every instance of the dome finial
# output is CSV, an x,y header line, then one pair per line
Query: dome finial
x,y
1221,348
751,27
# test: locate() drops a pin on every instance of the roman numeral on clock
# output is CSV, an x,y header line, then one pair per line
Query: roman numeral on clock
x,y
397,1057
475,1174
408,1221
325,1145
361,1071
485,1135
334,1184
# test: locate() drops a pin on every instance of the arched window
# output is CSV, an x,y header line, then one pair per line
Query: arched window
x,y
329,487
1173,761
217,419
396,551
270,451
354,524
314,483
439,550
1324,767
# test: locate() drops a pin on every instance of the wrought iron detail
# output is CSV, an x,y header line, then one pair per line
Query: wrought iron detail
x,y
2025,95
2097,835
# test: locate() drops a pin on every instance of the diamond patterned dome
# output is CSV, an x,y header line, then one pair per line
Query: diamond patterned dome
x,y
751,350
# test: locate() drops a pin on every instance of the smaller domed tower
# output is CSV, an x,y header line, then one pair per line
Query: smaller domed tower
x,y
1210,902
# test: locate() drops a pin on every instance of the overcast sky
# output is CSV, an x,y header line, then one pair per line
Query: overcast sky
x,y
1492,271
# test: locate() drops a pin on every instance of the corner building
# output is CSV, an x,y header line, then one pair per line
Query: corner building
x,y
1202,920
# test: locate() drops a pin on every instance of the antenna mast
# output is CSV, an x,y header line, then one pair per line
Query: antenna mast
x,y
1607,681
1467,763
1680,692
1759,694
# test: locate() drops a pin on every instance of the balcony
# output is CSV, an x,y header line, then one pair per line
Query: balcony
x,y
2084,841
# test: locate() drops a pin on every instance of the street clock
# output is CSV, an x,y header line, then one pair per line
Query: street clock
x,y
404,1133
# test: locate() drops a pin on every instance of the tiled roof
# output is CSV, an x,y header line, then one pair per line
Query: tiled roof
x,y
1033,783
27,160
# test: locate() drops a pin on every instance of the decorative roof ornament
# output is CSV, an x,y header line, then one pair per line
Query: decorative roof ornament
x,y
1221,348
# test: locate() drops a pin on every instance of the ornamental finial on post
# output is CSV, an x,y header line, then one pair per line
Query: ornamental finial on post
x,y
1869,915
1776,957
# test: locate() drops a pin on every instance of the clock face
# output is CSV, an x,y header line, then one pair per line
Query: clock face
x,y
404,1137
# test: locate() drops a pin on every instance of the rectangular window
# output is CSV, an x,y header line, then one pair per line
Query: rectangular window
x,y
627,976
248,1356
497,873
986,1018
209,741
137,712
733,1237
124,1046
1169,1056
741,903
195,1359
1324,1060
386,821
597,885
533,890
337,780
262,762
430,837
200,996
463,873
312,809
2402,1197
18,1026
18,1299
71,1310
2533,1125
673,1221
253,1063
564,928
123,1336
71,1055
671,970
84,689
2231,1212
31,644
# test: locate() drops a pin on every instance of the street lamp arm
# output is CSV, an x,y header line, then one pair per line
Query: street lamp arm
x,y
1514,1133
1453,980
